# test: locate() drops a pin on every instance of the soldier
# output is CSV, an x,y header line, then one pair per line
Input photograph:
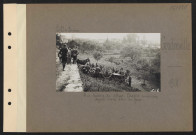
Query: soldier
x,y
121,72
74,54
63,55
130,79
69,56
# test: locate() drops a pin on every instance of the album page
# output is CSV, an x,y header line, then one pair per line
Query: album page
x,y
98,68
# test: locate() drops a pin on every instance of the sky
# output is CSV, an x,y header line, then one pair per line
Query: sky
x,y
152,37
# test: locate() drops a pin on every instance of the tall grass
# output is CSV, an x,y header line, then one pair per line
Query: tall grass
x,y
91,84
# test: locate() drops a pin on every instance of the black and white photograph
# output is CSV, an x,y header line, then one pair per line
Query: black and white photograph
x,y
108,62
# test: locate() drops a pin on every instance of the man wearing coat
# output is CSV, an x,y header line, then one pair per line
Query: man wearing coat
x,y
63,55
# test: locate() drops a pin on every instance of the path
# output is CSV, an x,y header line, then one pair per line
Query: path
x,y
69,80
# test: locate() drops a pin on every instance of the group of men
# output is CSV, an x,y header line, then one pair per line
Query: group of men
x,y
66,55
99,71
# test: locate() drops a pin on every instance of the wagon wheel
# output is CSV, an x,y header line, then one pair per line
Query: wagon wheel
x,y
107,76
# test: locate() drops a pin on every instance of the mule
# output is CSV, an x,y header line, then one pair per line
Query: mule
x,y
83,62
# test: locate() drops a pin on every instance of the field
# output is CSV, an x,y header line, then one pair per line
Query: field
x,y
93,84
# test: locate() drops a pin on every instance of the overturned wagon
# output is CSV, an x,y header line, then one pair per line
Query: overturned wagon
x,y
121,78
97,73
117,76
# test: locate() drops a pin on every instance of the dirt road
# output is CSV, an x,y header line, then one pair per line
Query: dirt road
x,y
69,80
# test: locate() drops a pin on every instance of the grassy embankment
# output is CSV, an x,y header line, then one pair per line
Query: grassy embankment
x,y
93,84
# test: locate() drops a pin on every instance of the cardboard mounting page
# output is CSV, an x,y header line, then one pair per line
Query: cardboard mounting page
x,y
50,111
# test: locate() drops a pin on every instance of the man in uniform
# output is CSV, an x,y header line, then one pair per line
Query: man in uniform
x,y
63,55
74,54
69,56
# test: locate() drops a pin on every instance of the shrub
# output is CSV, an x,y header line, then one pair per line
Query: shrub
x,y
132,52
97,56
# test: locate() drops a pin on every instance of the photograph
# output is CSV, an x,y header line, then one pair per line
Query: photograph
x,y
108,62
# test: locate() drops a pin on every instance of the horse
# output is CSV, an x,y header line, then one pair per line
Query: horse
x,y
83,62
84,68
96,72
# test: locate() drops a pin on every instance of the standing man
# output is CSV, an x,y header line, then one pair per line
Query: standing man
x,y
130,79
74,54
63,55
69,56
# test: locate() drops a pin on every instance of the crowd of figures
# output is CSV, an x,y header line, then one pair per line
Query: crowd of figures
x,y
68,55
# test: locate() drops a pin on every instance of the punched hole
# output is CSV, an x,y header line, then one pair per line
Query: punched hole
x,y
9,90
9,103
9,33
9,47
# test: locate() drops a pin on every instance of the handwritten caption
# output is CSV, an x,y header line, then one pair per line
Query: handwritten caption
x,y
183,44
62,28
173,83
178,7
114,97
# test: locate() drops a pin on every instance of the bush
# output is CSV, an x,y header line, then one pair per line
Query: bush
x,y
132,52
97,56
111,59
144,68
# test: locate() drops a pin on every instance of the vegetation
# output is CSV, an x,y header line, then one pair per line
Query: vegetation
x,y
104,85
140,57
97,56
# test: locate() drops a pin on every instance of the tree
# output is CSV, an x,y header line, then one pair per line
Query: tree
x,y
144,69
144,41
132,52
72,44
91,47
130,38
99,48
84,47
111,59
97,56
155,67
108,46
155,63
58,39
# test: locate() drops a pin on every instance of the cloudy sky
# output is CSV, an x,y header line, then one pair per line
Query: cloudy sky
x,y
152,37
